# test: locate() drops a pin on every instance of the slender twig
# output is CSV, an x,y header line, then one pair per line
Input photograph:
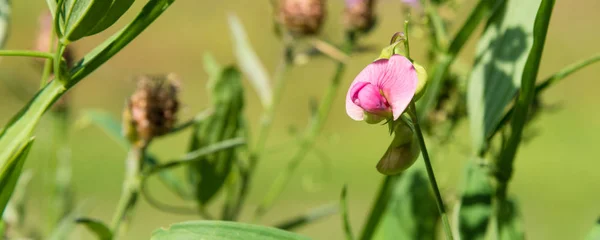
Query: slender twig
x,y
311,133
26,53
438,196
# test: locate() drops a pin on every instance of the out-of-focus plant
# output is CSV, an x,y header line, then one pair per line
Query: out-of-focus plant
x,y
421,108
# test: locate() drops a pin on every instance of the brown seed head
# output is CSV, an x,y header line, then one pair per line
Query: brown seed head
x,y
152,109
358,15
302,17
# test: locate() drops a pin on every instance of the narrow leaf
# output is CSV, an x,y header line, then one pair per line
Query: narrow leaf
x,y
308,218
345,217
97,227
378,208
115,11
475,209
10,174
249,62
500,60
221,230
106,122
5,11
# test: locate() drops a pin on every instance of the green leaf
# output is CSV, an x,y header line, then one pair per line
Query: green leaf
x,y
115,11
221,230
5,10
209,173
379,207
526,96
81,16
500,60
249,62
17,130
308,218
412,211
345,217
9,175
106,122
510,221
97,227
595,233
475,208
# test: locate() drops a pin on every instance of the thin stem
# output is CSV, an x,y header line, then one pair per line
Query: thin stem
x,y
309,137
378,208
58,61
26,53
438,197
131,190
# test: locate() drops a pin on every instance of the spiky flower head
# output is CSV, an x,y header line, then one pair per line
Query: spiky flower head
x,y
151,110
302,17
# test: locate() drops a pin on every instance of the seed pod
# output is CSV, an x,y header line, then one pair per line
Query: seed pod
x,y
302,17
152,108
358,15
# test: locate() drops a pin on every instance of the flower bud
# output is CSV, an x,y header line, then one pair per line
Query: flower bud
x,y
151,109
358,15
402,152
422,84
302,17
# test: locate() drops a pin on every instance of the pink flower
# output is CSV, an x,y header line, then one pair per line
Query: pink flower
x,y
382,90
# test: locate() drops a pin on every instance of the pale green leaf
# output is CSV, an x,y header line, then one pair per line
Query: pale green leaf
x,y
115,11
249,62
221,230
81,16
500,60
9,175
475,208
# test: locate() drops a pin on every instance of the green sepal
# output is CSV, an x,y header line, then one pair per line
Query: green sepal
x,y
422,83
394,48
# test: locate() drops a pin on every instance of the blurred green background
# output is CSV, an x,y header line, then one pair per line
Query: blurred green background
x,y
556,178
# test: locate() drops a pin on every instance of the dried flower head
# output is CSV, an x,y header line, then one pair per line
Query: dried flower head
x,y
358,15
302,17
151,110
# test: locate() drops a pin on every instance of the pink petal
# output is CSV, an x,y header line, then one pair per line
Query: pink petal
x,y
399,83
370,74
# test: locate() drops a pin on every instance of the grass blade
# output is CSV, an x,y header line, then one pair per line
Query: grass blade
x,y
249,62
345,217
222,230
310,217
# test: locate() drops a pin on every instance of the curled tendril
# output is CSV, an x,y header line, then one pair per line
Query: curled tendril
x,y
397,37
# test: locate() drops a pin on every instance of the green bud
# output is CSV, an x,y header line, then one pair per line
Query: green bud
x,y
422,84
402,152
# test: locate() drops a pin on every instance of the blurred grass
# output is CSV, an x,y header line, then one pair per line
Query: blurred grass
x,y
556,173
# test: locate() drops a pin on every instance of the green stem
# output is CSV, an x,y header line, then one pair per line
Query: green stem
x,y
378,208
26,53
131,190
58,62
438,196
309,137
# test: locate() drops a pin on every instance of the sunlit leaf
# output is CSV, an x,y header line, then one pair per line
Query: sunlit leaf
x,y
249,61
412,211
9,174
116,10
99,229
500,60
221,230
475,208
